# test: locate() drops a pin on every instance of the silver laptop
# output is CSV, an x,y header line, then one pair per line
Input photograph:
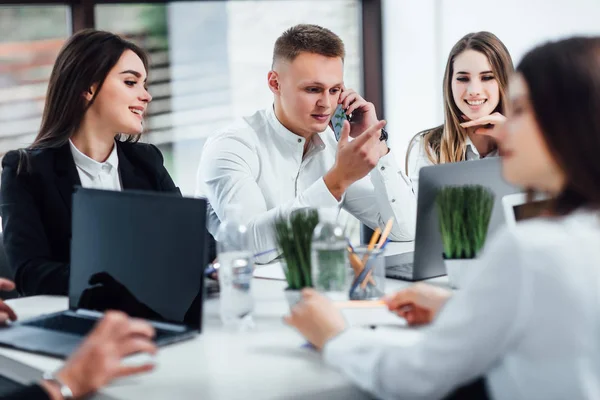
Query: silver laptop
x,y
426,261
139,252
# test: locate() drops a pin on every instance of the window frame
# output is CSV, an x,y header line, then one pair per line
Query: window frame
x,y
82,16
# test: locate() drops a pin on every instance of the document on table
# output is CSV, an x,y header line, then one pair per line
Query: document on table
x,y
270,271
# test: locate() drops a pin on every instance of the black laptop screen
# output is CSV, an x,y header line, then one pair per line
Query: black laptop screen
x,y
141,253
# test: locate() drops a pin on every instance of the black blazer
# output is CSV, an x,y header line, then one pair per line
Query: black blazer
x,y
35,205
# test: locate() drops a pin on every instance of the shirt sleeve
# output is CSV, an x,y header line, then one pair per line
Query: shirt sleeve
x,y
471,333
229,176
385,193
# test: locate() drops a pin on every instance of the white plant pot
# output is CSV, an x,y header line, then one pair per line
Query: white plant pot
x,y
456,270
293,297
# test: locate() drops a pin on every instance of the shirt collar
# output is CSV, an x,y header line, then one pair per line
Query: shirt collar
x,y
317,144
471,147
91,166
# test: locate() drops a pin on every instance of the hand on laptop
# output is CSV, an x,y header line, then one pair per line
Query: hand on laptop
x,y
98,360
6,313
419,304
355,159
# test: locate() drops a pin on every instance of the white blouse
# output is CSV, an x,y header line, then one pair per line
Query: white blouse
x,y
528,319
417,159
97,175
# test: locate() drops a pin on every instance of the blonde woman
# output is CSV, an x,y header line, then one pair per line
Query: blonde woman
x,y
475,83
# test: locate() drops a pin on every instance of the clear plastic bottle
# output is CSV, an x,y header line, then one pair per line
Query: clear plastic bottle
x,y
329,256
235,270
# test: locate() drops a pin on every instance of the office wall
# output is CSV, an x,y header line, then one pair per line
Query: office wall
x,y
418,36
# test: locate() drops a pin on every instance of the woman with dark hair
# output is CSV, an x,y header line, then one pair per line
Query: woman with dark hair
x,y
527,322
92,119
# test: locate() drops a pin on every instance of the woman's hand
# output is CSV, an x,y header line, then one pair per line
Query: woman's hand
x,y
419,304
486,125
316,318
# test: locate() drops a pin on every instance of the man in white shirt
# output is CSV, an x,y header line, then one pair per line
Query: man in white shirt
x,y
286,157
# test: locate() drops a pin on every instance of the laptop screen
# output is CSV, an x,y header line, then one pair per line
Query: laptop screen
x,y
139,252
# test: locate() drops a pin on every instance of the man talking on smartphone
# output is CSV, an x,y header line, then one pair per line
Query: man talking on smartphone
x,y
286,157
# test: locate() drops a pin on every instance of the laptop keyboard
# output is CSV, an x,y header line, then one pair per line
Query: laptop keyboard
x,y
401,271
65,323
82,326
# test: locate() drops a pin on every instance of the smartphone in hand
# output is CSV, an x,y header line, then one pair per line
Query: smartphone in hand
x,y
337,121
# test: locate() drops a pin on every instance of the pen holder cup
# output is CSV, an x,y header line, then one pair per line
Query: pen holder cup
x,y
368,281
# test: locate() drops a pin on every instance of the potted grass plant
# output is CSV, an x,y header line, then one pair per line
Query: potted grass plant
x,y
294,237
464,214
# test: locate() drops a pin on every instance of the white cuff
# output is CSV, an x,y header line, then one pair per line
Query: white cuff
x,y
318,195
387,166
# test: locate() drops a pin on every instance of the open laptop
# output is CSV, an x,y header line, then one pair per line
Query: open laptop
x,y
426,261
139,252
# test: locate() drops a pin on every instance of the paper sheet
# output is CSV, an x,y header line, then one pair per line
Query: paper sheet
x,y
270,271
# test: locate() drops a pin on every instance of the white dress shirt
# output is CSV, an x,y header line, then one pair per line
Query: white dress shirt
x,y
528,319
259,164
417,159
97,175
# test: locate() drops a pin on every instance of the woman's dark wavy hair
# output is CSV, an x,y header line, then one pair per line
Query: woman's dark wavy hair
x,y
84,60
563,78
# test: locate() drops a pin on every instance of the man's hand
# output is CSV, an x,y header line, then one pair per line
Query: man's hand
x,y
98,360
355,159
6,313
316,318
363,114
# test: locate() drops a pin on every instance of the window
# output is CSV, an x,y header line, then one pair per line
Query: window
x,y
30,38
209,63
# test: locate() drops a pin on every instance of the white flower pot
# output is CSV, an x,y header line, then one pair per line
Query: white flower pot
x,y
456,270
293,297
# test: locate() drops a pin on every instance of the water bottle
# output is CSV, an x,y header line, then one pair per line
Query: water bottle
x,y
329,256
235,271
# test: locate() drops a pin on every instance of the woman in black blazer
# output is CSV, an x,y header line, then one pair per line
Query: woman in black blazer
x,y
92,120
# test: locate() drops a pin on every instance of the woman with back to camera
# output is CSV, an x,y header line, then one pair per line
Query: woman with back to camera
x,y
527,321
475,83
93,117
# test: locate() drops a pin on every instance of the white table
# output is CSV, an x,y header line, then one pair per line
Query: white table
x,y
266,363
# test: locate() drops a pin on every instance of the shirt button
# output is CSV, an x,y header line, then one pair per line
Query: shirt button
x,y
393,200
382,168
299,140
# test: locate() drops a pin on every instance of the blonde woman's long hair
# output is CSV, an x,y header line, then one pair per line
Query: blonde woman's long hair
x,y
447,142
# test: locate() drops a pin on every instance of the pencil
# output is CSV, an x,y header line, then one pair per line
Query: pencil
x,y
356,264
371,245
382,239
386,232
359,304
